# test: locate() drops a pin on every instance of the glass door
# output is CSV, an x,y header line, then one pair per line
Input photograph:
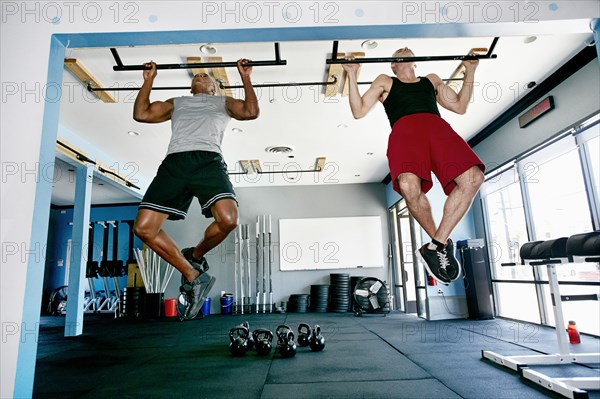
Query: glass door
x,y
409,288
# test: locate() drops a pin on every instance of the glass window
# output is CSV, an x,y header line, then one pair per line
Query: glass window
x,y
517,301
557,194
593,147
506,227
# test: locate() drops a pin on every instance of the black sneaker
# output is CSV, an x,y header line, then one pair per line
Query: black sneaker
x,y
196,293
199,264
435,262
454,268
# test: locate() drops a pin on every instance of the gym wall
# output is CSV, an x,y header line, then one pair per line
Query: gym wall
x,y
59,232
336,200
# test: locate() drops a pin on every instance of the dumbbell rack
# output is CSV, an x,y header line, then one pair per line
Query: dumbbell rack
x,y
577,248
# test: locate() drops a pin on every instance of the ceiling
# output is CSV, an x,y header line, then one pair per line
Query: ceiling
x,y
300,117
104,192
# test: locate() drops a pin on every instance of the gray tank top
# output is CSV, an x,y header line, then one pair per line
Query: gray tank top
x,y
198,123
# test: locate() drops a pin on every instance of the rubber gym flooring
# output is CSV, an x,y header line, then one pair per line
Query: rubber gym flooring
x,y
371,356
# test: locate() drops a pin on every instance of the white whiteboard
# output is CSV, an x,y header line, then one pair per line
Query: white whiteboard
x,y
330,243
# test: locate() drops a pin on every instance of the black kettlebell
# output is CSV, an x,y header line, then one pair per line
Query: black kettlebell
x,y
304,335
262,341
250,338
239,341
285,341
317,341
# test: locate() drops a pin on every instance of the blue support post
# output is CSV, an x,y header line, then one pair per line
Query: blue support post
x,y
81,223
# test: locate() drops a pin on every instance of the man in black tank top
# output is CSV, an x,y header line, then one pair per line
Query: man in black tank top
x,y
421,142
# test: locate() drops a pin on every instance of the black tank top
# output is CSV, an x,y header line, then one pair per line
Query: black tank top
x,y
410,98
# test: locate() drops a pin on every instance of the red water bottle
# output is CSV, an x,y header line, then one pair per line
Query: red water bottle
x,y
573,333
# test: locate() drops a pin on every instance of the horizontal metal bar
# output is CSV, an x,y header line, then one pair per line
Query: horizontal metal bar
x,y
277,172
198,65
411,59
586,283
583,297
137,88
110,172
290,171
90,88
290,84
335,60
445,80
80,156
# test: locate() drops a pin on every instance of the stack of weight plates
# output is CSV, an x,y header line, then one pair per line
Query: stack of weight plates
x,y
353,281
340,292
319,298
298,303
132,300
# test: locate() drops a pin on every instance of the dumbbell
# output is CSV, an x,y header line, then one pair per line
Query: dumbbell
x,y
239,340
262,341
285,341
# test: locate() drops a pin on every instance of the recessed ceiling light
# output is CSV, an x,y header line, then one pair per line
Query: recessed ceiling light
x,y
237,130
342,126
132,133
369,44
530,39
208,49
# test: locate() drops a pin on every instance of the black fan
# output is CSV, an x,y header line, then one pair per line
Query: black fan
x,y
58,301
370,296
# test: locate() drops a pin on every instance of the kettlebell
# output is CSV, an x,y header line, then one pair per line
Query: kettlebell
x,y
285,341
262,341
239,341
304,335
317,341
250,337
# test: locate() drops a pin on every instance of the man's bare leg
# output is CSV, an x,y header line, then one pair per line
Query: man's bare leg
x,y
225,213
148,227
458,202
417,202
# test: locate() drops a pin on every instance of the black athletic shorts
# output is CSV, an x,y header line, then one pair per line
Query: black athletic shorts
x,y
185,175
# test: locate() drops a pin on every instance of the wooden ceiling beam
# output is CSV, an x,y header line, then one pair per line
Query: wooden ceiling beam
x,y
220,75
338,71
86,78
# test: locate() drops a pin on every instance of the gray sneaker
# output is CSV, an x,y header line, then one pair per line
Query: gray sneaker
x,y
200,265
196,293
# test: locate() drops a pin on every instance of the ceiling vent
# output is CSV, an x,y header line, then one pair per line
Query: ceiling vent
x,y
279,149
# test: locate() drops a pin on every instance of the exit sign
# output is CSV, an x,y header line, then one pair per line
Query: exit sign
x,y
541,108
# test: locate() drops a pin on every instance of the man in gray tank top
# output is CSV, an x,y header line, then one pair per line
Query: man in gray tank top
x,y
193,167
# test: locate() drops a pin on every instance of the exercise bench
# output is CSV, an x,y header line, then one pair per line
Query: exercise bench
x,y
552,253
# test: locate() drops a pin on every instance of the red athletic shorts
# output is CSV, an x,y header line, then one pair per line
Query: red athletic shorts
x,y
425,143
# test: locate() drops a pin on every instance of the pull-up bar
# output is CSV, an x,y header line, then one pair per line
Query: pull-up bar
x,y
221,86
120,67
334,81
335,60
